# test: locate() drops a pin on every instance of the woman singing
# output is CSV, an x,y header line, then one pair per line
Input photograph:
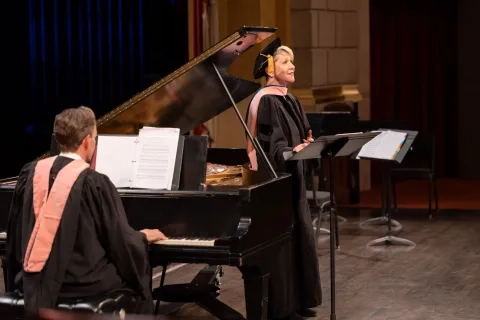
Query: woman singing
x,y
277,119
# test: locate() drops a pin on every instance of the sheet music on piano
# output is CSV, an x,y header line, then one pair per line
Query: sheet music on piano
x,y
155,158
146,160
115,158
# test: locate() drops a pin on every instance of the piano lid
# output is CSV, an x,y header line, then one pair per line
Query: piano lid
x,y
192,94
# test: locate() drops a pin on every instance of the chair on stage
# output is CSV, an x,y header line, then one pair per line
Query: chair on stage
x,y
319,203
418,164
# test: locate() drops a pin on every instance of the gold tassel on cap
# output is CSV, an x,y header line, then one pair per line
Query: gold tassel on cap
x,y
271,63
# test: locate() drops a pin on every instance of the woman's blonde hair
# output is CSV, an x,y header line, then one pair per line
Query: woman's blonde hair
x,y
283,49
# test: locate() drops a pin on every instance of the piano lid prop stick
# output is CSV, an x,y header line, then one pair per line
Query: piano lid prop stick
x,y
255,142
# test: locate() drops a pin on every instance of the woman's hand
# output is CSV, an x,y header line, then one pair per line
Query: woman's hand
x,y
305,143
300,146
309,137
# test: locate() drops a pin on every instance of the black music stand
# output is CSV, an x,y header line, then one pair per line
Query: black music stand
x,y
389,239
330,147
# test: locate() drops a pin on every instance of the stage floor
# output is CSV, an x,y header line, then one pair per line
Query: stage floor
x,y
453,194
439,278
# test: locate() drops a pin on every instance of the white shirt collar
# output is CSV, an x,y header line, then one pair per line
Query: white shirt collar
x,y
71,155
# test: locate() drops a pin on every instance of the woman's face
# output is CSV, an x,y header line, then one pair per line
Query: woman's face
x,y
284,71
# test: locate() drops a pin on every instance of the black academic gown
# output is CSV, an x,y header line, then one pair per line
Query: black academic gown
x,y
282,125
95,251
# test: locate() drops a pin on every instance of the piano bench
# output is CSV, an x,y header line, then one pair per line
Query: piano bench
x,y
11,304
185,292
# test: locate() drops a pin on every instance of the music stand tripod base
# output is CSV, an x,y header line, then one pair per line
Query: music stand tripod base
x,y
342,219
324,231
316,226
382,220
391,240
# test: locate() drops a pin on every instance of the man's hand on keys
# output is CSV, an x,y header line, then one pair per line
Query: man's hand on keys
x,y
153,235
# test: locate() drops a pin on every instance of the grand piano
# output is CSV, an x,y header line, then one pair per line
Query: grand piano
x,y
211,223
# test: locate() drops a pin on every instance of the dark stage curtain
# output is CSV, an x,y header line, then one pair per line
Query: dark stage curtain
x,y
67,53
197,27
200,8
413,70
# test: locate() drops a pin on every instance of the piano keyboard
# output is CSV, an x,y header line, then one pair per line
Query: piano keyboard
x,y
186,242
169,242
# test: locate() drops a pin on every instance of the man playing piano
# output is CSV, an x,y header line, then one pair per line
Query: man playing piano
x,y
277,119
68,235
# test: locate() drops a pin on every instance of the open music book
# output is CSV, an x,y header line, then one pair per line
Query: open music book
x,y
146,160
384,146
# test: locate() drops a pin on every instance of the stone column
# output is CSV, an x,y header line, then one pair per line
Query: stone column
x,y
330,39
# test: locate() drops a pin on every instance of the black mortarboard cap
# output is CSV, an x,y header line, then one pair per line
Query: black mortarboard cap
x,y
264,57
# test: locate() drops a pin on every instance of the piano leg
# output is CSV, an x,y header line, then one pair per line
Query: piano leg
x,y
256,292
162,282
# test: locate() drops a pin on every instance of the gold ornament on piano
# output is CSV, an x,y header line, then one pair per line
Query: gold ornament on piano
x,y
219,175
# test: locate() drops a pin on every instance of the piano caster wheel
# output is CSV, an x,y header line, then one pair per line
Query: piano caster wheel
x,y
221,272
217,282
218,290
